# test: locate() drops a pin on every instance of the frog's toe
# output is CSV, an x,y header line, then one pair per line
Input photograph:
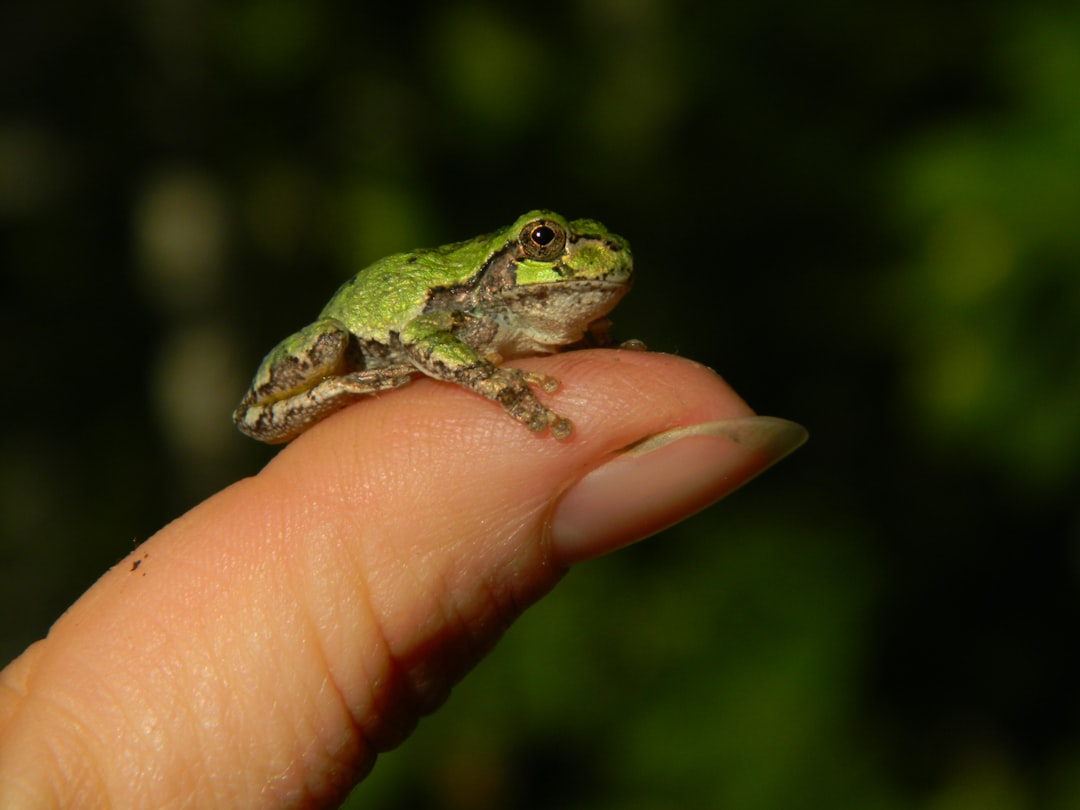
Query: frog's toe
x,y
538,419
561,428
542,381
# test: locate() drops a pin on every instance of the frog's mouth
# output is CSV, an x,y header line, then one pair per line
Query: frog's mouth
x,y
584,295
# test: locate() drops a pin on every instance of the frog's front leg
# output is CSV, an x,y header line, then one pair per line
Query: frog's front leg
x,y
305,378
441,344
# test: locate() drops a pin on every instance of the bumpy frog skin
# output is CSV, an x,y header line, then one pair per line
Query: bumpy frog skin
x,y
453,313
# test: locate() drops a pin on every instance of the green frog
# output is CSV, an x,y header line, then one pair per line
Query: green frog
x,y
454,313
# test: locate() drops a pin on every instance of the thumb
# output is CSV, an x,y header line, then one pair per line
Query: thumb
x,y
263,648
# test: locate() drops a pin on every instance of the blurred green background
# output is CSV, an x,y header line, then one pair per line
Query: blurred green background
x,y
866,216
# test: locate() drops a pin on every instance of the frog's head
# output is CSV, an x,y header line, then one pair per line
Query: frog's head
x,y
551,278
551,250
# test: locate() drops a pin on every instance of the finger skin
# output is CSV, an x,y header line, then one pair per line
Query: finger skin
x,y
260,650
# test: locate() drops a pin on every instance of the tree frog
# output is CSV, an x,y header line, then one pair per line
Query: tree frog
x,y
454,313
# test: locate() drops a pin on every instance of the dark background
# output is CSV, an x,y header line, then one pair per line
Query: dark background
x,y
866,216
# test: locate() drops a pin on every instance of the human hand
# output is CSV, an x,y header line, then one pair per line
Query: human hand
x,y
260,650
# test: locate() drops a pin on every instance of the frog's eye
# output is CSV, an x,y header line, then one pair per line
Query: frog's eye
x,y
543,239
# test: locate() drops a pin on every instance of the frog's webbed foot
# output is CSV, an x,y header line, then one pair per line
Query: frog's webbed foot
x,y
510,388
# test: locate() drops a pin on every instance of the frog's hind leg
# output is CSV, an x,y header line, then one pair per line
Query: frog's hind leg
x,y
284,420
305,378
314,352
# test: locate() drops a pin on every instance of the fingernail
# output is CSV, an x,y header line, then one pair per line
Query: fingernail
x,y
664,478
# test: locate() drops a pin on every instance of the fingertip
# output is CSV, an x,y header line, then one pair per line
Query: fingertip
x,y
664,478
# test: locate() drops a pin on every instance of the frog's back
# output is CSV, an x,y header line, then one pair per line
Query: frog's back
x,y
386,295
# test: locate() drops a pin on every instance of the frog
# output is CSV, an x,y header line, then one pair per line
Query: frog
x,y
454,313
